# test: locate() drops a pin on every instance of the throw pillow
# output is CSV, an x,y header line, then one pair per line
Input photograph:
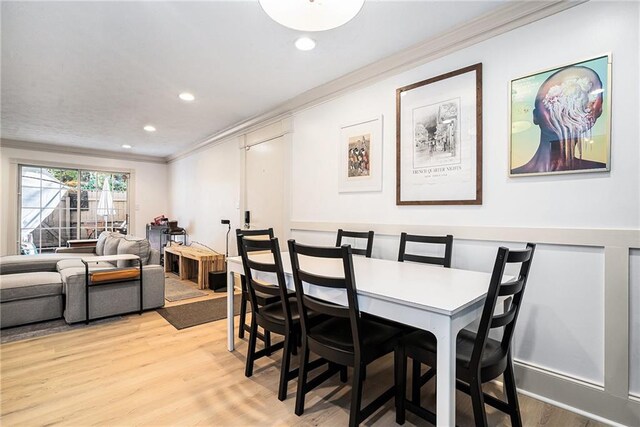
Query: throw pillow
x,y
100,243
135,246
111,245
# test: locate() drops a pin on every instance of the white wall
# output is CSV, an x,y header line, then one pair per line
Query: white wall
x,y
581,200
205,188
562,325
148,200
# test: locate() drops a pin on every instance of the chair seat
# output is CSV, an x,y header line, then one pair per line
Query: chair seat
x,y
275,312
377,338
265,299
424,344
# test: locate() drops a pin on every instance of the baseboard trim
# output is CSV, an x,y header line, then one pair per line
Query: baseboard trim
x,y
559,375
575,396
570,408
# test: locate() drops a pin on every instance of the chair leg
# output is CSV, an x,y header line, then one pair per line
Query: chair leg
x,y
294,344
267,342
400,380
512,394
243,315
289,341
415,381
356,395
477,400
302,378
343,374
248,371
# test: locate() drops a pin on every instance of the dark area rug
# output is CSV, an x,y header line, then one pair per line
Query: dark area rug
x,y
196,313
41,329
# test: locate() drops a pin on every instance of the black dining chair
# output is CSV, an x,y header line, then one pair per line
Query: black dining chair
x,y
367,235
244,299
280,317
445,260
479,359
347,338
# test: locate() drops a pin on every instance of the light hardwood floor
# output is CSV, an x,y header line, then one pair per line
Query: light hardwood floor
x,y
139,370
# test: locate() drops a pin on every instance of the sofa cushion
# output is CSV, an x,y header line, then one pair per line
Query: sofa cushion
x,y
13,264
134,246
77,263
102,238
20,286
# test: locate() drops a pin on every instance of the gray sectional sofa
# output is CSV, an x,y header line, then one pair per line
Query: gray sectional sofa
x,y
35,288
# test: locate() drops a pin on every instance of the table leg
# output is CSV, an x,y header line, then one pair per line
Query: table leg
x,y
183,268
446,380
201,269
230,343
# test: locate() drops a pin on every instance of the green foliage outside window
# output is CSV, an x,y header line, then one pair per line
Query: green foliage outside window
x,y
91,181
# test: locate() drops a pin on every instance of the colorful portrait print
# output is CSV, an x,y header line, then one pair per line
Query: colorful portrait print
x,y
560,120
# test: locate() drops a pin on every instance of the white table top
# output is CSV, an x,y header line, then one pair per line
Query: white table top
x,y
437,289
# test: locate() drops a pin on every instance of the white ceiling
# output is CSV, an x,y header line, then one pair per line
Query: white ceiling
x,y
92,74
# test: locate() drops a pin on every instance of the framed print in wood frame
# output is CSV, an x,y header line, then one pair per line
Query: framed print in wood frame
x,y
361,156
439,140
560,119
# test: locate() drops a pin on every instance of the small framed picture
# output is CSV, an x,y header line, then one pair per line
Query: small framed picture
x,y
560,120
361,156
439,140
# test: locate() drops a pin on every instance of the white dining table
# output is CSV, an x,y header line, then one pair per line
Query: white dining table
x,y
436,299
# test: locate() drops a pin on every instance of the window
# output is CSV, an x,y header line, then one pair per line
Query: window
x,y
59,204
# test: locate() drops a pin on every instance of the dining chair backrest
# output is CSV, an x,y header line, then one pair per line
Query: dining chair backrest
x,y
367,235
247,246
514,289
445,260
307,303
263,234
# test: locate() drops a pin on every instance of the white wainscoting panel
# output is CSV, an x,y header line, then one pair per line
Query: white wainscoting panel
x,y
562,317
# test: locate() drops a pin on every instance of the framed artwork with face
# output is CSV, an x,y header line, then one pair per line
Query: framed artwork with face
x,y
561,120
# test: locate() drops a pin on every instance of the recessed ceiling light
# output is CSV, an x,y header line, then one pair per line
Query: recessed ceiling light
x,y
126,146
186,96
305,43
150,128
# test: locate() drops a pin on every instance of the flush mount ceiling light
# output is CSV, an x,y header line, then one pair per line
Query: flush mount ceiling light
x,y
305,43
126,146
150,128
312,15
186,96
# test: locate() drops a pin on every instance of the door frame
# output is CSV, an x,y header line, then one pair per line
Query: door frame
x,y
279,129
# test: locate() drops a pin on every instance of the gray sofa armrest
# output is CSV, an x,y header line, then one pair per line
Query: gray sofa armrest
x,y
111,299
78,250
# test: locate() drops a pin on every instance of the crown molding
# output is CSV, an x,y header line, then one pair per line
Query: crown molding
x,y
509,17
66,149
